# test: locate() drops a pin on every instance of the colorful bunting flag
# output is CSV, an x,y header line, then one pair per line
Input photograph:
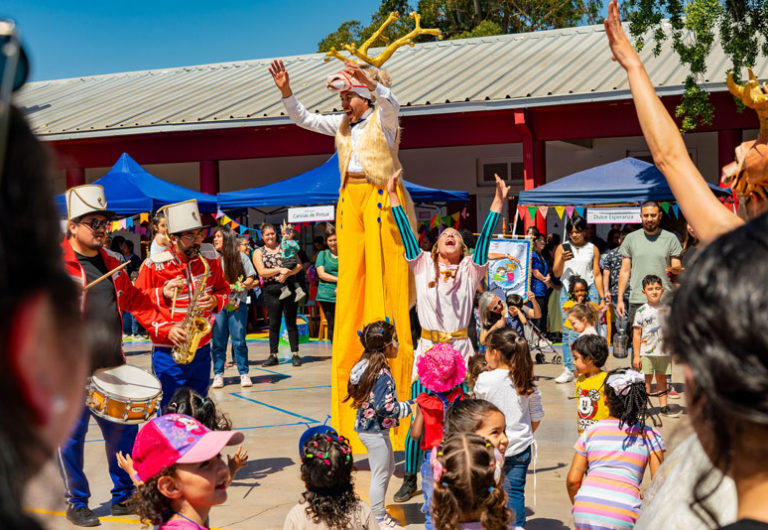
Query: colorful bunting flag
x,y
544,210
219,214
464,213
243,229
523,212
532,212
569,211
559,210
129,222
676,210
580,210
144,218
665,206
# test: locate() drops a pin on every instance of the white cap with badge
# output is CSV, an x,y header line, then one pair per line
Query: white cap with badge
x,y
86,199
182,216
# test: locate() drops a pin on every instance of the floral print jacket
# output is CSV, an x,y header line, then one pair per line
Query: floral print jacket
x,y
382,411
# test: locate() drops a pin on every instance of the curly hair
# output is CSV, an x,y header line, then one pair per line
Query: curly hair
x,y
375,337
326,469
716,326
203,409
468,415
468,485
514,352
572,286
148,503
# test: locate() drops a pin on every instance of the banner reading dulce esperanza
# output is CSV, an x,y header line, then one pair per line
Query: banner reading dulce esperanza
x,y
622,215
308,214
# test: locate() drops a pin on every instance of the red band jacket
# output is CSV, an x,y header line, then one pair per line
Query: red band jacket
x,y
163,267
129,298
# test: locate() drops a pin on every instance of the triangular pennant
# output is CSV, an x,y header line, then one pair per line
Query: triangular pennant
x,y
559,210
569,211
433,222
144,218
522,212
464,213
676,210
580,210
532,212
455,216
243,229
665,206
447,220
258,232
544,210
219,214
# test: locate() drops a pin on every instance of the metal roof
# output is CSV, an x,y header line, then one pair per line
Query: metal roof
x,y
508,71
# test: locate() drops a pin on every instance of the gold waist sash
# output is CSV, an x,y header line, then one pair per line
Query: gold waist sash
x,y
443,336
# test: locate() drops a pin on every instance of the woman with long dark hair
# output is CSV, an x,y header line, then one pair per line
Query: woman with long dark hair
x,y
327,266
576,257
233,319
269,264
160,241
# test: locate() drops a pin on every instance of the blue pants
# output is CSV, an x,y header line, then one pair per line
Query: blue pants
x,y
131,326
427,487
117,437
230,324
195,375
569,336
515,470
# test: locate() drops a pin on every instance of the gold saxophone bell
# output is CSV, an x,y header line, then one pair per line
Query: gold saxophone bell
x,y
194,323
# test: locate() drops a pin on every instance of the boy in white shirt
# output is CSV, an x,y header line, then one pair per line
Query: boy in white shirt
x,y
650,356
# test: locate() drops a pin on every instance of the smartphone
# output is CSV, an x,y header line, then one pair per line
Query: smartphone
x,y
567,248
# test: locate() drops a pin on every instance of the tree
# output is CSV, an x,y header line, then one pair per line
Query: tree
x,y
742,25
459,19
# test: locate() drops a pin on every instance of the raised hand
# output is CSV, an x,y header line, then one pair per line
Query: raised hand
x,y
280,77
502,190
623,51
353,70
237,462
392,184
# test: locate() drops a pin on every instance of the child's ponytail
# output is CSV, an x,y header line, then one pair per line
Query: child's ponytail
x,y
375,337
514,352
627,398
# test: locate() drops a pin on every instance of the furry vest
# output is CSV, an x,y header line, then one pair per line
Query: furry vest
x,y
378,159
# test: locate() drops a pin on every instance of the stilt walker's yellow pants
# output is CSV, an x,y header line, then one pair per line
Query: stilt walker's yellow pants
x,y
373,284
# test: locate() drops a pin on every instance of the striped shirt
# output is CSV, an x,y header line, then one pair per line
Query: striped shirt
x,y
609,496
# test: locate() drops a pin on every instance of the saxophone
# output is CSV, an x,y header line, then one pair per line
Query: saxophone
x,y
194,323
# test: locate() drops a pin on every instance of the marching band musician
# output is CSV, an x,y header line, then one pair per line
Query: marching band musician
x,y
181,265
102,304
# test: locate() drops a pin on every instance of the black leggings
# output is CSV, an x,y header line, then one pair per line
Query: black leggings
x,y
329,308
276,309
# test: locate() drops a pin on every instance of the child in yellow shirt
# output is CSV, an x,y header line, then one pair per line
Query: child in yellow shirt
x,y
589,355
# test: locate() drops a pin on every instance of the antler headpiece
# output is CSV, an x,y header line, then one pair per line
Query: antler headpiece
x,y
380,59
749,172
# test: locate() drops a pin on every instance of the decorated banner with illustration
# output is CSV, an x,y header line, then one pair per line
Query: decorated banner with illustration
x,y
509,267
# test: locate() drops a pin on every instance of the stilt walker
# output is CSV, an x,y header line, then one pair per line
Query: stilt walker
x,y
373,282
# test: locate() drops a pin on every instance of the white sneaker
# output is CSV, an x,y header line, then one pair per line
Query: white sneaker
x,y
245,380
218,381
389,522
299,294
565,377
284,293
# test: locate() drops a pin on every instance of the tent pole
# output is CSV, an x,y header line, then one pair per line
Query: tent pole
x,y
514,224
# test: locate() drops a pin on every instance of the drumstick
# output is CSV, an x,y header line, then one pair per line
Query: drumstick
x,y
173,304
110,273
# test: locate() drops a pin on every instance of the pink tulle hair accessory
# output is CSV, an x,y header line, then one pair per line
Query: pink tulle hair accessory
x,y
441,368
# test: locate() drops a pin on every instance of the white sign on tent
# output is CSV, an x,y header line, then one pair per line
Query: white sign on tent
x,y
624,215
308,214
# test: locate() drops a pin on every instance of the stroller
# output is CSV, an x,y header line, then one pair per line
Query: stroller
x,y
540,345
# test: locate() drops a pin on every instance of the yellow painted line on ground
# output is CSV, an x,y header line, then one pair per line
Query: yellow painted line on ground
x,y
106,518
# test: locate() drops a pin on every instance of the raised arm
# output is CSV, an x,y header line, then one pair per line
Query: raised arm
x,y
410,243
296,111
708,216
480,257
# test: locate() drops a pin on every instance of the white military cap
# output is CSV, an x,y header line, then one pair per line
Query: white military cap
x,y
182,216
86,199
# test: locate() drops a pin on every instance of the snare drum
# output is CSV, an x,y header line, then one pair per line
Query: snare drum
x,y
123,394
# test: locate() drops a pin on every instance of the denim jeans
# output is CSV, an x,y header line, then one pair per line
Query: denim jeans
x,y
230,324
515,470
427,487
131,326
568,334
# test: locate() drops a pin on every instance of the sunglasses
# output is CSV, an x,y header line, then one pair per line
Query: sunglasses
x,y
191,236
14,69
95,224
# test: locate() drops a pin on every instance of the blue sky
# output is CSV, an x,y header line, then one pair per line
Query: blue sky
x,y
86,37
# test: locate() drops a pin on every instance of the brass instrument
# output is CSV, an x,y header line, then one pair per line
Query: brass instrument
x,y
194,323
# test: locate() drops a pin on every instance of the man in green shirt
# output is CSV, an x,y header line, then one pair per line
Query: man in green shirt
x,y
647,251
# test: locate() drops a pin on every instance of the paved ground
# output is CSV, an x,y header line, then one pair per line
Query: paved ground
x,y
273,414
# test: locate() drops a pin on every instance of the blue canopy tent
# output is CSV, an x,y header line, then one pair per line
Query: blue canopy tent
x,y
317,186
130,189
625,181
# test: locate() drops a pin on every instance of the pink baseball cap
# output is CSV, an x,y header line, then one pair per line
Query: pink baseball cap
x,y
177,439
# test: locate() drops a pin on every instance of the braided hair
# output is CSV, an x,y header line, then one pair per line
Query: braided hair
x,y
466,483
631,407
326,469
188,402
464,253
376,337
